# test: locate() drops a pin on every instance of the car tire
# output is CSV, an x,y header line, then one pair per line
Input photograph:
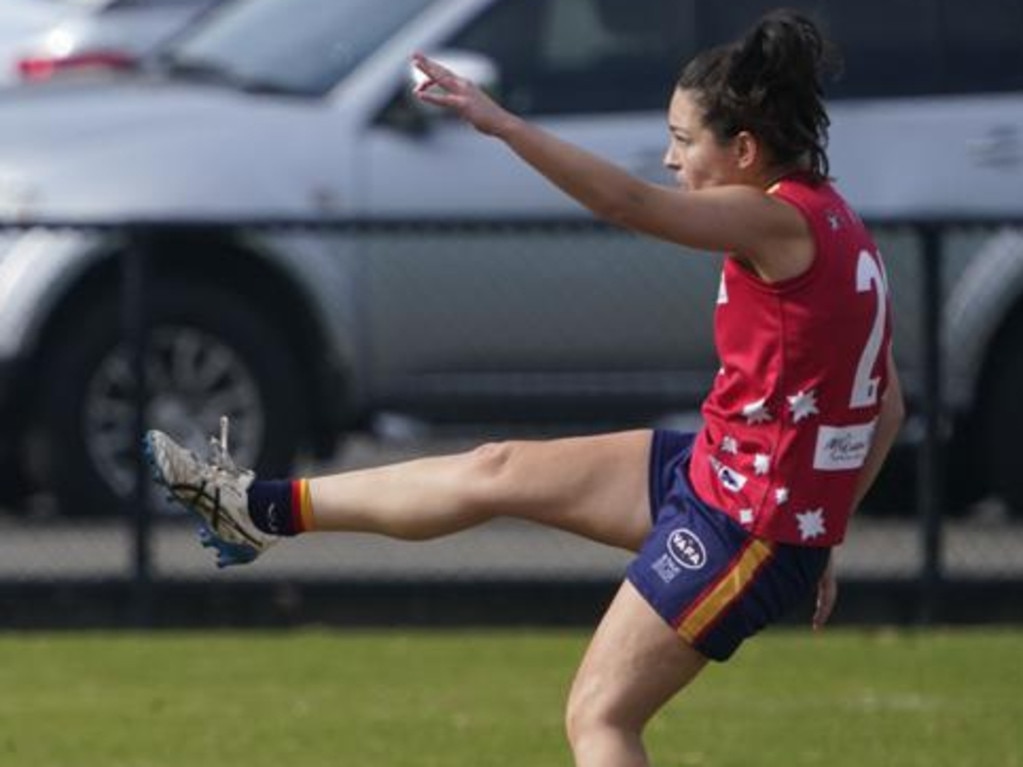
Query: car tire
x,y
208,353
1002,420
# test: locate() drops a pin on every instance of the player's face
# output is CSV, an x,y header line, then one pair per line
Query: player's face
x,y
696,156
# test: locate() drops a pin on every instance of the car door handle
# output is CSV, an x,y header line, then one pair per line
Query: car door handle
x,y
1001,147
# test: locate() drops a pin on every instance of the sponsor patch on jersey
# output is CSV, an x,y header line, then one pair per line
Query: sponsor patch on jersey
x,y
729,478
843,448
687,549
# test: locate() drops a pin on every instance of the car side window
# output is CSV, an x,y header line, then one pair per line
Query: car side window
x,y
584,56
983,45
889,47
894,48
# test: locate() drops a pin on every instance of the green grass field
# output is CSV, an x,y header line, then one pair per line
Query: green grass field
x,y
390,698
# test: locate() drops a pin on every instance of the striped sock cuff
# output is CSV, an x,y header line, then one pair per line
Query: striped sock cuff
x,y
301,507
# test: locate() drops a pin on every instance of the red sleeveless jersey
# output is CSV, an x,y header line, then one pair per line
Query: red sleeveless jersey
x,y
792,412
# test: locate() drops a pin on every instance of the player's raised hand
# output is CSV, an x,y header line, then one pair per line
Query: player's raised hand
x,y
442,87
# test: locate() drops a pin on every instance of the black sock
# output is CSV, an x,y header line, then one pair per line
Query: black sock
x,y
271,507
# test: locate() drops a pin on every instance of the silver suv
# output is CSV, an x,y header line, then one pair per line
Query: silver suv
x,y
469,290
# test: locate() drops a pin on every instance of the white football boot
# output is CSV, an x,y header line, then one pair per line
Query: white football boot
x,y
214,490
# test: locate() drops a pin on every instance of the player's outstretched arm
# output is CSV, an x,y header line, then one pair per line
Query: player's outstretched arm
x,y
738,219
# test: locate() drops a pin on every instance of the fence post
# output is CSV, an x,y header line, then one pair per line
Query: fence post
x,y
930,489
135,332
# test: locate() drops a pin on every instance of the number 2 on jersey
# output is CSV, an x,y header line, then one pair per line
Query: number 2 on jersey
x,y
870,278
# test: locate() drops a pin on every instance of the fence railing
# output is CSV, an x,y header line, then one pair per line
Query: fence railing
x,y
136,273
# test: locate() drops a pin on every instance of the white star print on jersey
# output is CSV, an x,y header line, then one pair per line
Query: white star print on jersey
x,y
761,464
757,412
811,523
803,405
730,445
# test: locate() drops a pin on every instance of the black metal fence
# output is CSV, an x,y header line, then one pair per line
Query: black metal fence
x,y
934,562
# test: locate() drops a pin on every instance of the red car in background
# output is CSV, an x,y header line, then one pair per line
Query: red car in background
x,y
46,38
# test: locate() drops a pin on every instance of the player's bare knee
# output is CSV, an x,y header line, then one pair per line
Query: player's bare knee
x,y
488,470
585,725
590,713
575,719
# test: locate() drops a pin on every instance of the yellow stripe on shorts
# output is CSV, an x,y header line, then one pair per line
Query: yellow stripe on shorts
x,y
729,588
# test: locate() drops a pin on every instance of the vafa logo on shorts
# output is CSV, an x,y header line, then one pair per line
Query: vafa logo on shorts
x,y
687,549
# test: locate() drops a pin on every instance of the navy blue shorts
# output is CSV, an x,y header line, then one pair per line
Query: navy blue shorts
x,y
710,580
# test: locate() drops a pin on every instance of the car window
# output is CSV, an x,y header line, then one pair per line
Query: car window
x,y
983,45
579,56
889,48
302,47
894,48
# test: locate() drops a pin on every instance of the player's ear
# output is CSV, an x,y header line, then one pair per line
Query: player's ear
x,y
746,150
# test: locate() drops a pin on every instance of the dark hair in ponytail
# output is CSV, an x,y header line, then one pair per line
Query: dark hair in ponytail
x,y
769,83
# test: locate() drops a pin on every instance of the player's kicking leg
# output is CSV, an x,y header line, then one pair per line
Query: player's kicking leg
x,y
596,487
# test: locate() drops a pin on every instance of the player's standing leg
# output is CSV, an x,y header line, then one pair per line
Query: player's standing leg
x,y
635,663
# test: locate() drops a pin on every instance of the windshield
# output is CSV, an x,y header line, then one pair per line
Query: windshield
x,y
293,46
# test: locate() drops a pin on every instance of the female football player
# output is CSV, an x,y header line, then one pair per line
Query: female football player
x,y
732,526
